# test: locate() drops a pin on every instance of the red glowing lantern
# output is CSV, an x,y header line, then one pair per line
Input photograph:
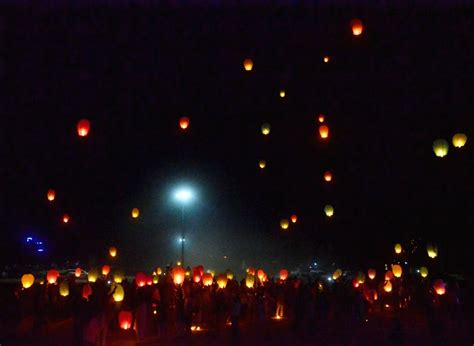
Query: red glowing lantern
x,y
178,274
324,131
140,279
327,176
77,272
251,271
355,283
371,273
283,274
86,291
207,279
388,275
83,127
294,218
357,27
105,270
184,123
52,276
125,319
439,287
260,274
51,195
65,218
321,118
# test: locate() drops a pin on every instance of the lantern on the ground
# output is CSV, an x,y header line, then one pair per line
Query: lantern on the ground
x,y
441,147
251,271
387,286
398,248
371,273
337,274
105,270
266,129
112,251
260,274
283,274
27,280
140,279
397,270
86,291
118,276
424,272
65,218
459,140
294,218
222,281
77,272
64,288
52,276
328,176
184,123
324,131
329,210
83,127
321,118
207,279
249,281
119,293
248,64
357,27
229,275
51,195
262,164
93,275
432,250
125,319
196,277
284,223
178,274
135,213
439,287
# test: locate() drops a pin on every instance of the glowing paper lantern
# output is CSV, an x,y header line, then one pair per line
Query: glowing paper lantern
x,y
321,118
112,251
424,272
355,283
140,279
51,195
387,287
459,140
326,59
250,281
27,280
207,279
327,176
178,274
125,319
262,164
440,147
222,281
260,274
360,277
156,279
324,131
294,218
371,273
158,271
86,291
184,123
329,210
266,129
357,27
439,287
196,277
118,276
388,275
93,275
283,274
135,213
251,271
77,272
397,270
64,289
105,270
248,64
282,93
337,274
398,248
432,250
83,127
284,223
65,218
229,275
52,276
119,293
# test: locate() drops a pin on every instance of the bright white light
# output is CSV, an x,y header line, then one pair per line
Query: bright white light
x,y
182,240
329,279
184,195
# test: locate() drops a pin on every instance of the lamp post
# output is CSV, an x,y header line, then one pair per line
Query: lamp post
x,y
183,195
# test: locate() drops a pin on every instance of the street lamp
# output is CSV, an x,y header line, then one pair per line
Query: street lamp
x,y
183,195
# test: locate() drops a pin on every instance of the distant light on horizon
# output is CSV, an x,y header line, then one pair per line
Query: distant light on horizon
x,y
184,195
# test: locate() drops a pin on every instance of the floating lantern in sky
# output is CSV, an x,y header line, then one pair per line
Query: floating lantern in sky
x,y
423,272
388,275
249,281
140,279
282,93
51,195
27,280
83,127
65,218
284,223
64,288
86,291
283,274
387,287
439,287
432,250
248,64
440,147
92,275
321,118
266,129
324,131
119,293
52,276
397,270
329,210
112,251
327,176
337,274
118,276
105,270
207,279
262,164
360,277
78,272
398,248
184,123
158,271
260,274
371,273
135,213
459,140
326,59
178,274
357,27
294,218
125,319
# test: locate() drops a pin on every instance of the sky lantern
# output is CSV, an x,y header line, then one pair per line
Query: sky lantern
x,y
105,270
51,195
156,279
140,279
65,218
337,274
135,213
112,251
440,147
260,274
321,118
371,273
294,218
52,276
423,272
397,270
184,123
64,289
248,64
282,93
27,280
222,281
387,286
158,271
125,319
178,274
266,129
324,131
229,274
459,140
283,274
284,223
196,277
439,287
398,248
93,275
83,127
251,271
326,59
360,277
86,291
207,279
357,27
432,250
328,176
249,281
329,210
388,275
118,276
119,293
77,272
262,164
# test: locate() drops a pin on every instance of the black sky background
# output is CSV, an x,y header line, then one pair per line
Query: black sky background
x,y
134,72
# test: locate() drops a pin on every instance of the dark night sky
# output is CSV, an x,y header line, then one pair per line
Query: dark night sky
x,y
387,95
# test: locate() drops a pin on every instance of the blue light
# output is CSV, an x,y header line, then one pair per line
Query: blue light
x,y
28,239
40,250
39,243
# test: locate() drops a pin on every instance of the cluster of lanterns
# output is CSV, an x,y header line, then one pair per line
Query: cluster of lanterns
x,y
441,146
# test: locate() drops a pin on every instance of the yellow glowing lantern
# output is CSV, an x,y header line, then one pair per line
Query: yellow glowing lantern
x,y
64,289
156,279
397,270
357,27
262,164
266,129
250,281
371,273
326,59
424,272
321,118
158,271
360,278
93,275
51,195
439,287
135,213
388,275
282,93
284,223
440,147
207,279
328,176
78,272
112,251
119,293
65,218
187,273
398,248
329,210
118,276
248,64
52,276
27,280
324,131
459,140
178,274
432,250
387,287
229,275
283,274
222,281
337,274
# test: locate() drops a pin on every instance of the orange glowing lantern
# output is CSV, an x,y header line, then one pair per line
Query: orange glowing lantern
x,y
326,59
27,280
51,195
83,127
439,287
229,274
260,274
158,271
77,272
125,319
388,275
178,274
371,273
135,213
459,140
357,27
387,287
113,251
294,218
251,271
184,123
64,289
93,275
324,131
86,291
105,270
328,176
398,248
283,274
52,276
140,279
207,279
65,218
321,118
196,277
248,64
249,281
119,293
222,281
397,270
337,274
